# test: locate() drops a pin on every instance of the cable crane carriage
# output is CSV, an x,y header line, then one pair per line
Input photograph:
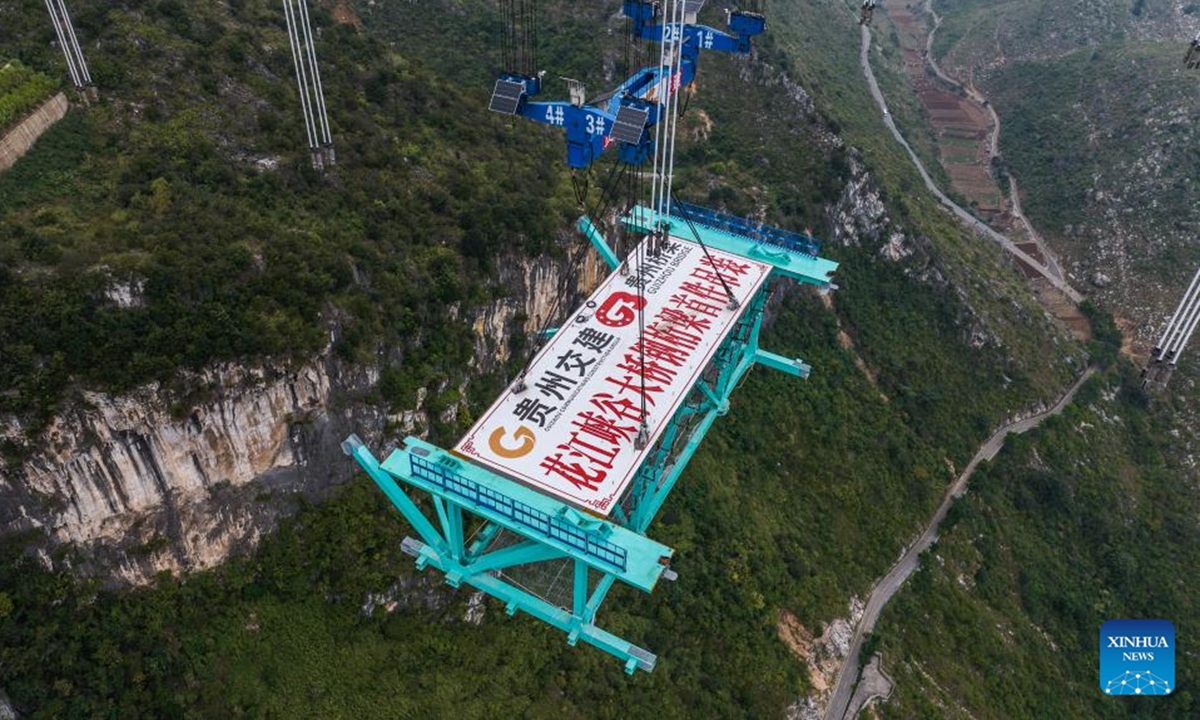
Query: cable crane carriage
x,y
626,114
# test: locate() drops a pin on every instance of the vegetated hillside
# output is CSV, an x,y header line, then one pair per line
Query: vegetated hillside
x,y
1090,518
800,497
977,34
21,90
1098,124
1105,144
188,187
188,182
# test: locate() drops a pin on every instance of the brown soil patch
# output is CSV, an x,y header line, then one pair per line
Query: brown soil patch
x,y
1032,249
952,117
793,634
847,343
343,12
962,126
1061,307
800,641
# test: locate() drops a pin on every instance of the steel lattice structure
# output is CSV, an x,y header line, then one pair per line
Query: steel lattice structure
x,y
546,547
598,551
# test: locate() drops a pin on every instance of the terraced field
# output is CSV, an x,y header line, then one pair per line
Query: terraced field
x,y
961,125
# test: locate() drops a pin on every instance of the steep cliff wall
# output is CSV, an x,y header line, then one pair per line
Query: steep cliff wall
x,y
141,484
17,141
540,281
143,490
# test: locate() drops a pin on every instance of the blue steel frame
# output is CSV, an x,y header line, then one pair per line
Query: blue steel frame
x,y
588,127
605,549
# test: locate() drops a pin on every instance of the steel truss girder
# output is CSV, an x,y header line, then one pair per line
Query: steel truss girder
x,y
606,549
443,548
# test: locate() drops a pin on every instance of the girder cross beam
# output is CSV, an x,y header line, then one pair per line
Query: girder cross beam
x,y
603,550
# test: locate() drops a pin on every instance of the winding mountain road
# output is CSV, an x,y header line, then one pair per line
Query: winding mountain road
x,y
904,567
993,141
969,219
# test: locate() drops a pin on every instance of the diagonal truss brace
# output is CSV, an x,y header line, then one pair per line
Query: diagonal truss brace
x,y
708,400
600,549
551,530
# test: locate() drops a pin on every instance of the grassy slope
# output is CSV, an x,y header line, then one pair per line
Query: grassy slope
x,y
1091,517
974,31
825,57
1117,121
1099,120
797,515
21,90
159,185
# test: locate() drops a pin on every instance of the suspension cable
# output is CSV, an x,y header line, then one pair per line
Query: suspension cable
x,y
639,281
503,4
533,44
733,303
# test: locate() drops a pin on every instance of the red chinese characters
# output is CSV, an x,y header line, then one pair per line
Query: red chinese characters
x,y
591,406
651,366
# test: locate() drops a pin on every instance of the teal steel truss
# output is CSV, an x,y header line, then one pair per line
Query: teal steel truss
x,y
485,529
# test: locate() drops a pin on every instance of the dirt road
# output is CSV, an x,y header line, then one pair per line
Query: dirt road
x,y
900,572
970,220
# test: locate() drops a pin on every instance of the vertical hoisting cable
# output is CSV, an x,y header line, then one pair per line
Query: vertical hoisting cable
x,y
519,36
603,205
512,35
533,41
525,37
670,61
643,436
504,65
676,72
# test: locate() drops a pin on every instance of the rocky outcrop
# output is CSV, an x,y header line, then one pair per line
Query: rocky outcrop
x,y
824,657
145,489
16,142
143,481
533,285
860,218
7,711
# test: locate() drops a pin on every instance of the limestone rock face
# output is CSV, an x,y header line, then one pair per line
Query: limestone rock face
x,y
7,711
534,284
125,473
141,482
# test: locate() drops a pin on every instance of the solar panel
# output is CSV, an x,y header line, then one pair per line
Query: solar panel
x,y
691,8
630,124
506,97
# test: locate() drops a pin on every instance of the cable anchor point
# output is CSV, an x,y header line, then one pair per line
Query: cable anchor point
x,y
643,437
